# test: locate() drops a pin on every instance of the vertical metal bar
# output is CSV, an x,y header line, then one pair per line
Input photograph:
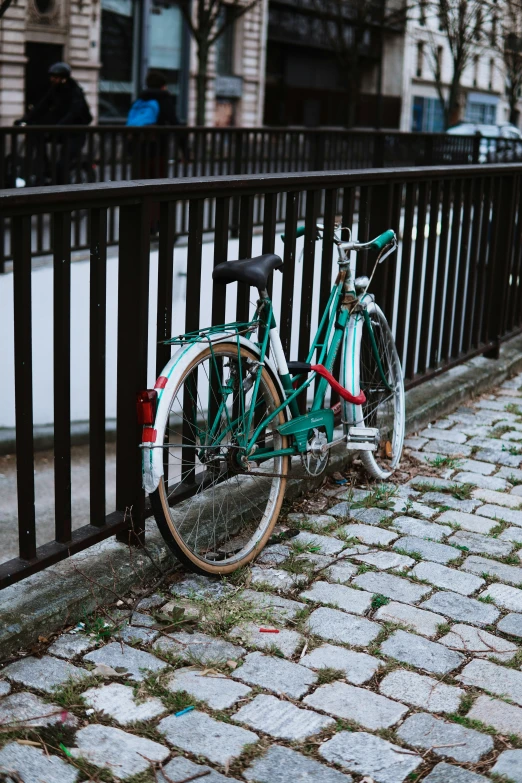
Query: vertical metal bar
x,y
269,230
416,273
449,309
460,304
97,349
167,237
21,244
292,205
133,305
471,294
404,285
219,296
442,263
380,220
500,259
485,229
62,374
429,279
246,227
307,278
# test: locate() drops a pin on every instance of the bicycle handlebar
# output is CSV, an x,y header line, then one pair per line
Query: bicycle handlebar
x,y
386,238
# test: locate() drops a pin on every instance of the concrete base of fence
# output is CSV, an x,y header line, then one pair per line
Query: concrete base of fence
x,y
62,594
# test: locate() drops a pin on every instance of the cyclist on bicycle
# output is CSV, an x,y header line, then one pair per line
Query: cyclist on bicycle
x,y
63,104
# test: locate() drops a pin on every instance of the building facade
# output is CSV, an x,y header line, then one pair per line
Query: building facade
x,y
482,96
111,44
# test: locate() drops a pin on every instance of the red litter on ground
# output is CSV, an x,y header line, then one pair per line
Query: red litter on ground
x,y
268,630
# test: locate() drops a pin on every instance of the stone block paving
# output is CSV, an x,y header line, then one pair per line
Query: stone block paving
x,y
380,642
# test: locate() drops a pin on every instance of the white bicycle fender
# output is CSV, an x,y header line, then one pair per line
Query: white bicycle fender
x,y
152,458
350,369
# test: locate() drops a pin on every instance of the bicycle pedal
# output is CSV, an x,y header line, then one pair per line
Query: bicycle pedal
x,y
362,439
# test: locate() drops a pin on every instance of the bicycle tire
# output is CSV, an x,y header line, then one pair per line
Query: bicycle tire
x,y
384,408
230,516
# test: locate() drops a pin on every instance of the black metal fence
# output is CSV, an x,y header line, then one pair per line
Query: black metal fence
x,y
453,291
37,156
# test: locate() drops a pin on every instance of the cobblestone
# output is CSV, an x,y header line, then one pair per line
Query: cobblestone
x,y
346,598
136,663
282,609
410,526
445,499
507,597
326,544
121,753
368,534
469,522
500,513
385,561
32,765
336,626
419,620
477,480
118,701
341,572
275,554
448,578
370,516
419,652
279,765
180,769
506,718
358,667
69,646
26,709
42,674
493,678
482,545
281,719
509,764
447,773
445,739
276,578
484,565
216,690
511,624
368,755
198,733
421,691
392,587
366,708
275,675
458,607
439,553
288,642
199,647
480,643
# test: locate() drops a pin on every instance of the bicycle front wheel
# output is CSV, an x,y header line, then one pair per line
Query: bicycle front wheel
x,y
215,509
383,387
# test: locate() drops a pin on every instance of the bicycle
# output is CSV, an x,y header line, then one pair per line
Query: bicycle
x,y
223,421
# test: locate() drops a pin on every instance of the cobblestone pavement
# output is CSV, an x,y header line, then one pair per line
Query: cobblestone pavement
x,y
378,639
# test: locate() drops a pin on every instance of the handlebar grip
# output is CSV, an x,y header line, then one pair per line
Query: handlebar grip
x,y
382,240
300,232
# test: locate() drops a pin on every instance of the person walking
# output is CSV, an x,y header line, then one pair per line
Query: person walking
x,y
63,104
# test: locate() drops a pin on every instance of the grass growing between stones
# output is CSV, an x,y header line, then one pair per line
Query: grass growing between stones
x,y
329,674
219,615
440,462
379,600
156,685
461,491
380,497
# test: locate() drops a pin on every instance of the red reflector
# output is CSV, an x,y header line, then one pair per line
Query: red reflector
x,y
146,406
149,435
161,382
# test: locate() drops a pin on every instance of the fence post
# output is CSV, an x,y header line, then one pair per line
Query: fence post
x,y
476,148
379,142
501,251
237,166
133,308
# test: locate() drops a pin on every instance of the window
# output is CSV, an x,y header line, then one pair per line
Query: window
x,y
225,43
491,73
494,30
420,58
165,35
119,71
439,60
476,62
428,115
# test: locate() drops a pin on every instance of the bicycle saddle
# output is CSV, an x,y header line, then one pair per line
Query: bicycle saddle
x,y
254,271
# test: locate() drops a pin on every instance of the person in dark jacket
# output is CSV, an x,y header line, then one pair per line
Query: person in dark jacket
x,y
63,104
154,152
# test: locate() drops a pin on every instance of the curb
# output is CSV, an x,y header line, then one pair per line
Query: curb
x,y
62,594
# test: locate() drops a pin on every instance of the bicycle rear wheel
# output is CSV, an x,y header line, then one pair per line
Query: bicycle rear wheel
x,y
214,511
384,408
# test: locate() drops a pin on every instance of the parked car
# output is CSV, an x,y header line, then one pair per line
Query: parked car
x,y
498,144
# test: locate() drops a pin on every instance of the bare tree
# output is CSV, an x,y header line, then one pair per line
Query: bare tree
x,y
510,44
461,23
208,23
353,29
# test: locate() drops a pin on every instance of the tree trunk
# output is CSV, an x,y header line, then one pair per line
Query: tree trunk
x,y
201,84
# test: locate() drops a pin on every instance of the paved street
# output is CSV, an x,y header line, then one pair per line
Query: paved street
x,y
379,640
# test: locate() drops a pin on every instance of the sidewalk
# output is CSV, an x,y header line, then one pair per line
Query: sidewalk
x,y
382,642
